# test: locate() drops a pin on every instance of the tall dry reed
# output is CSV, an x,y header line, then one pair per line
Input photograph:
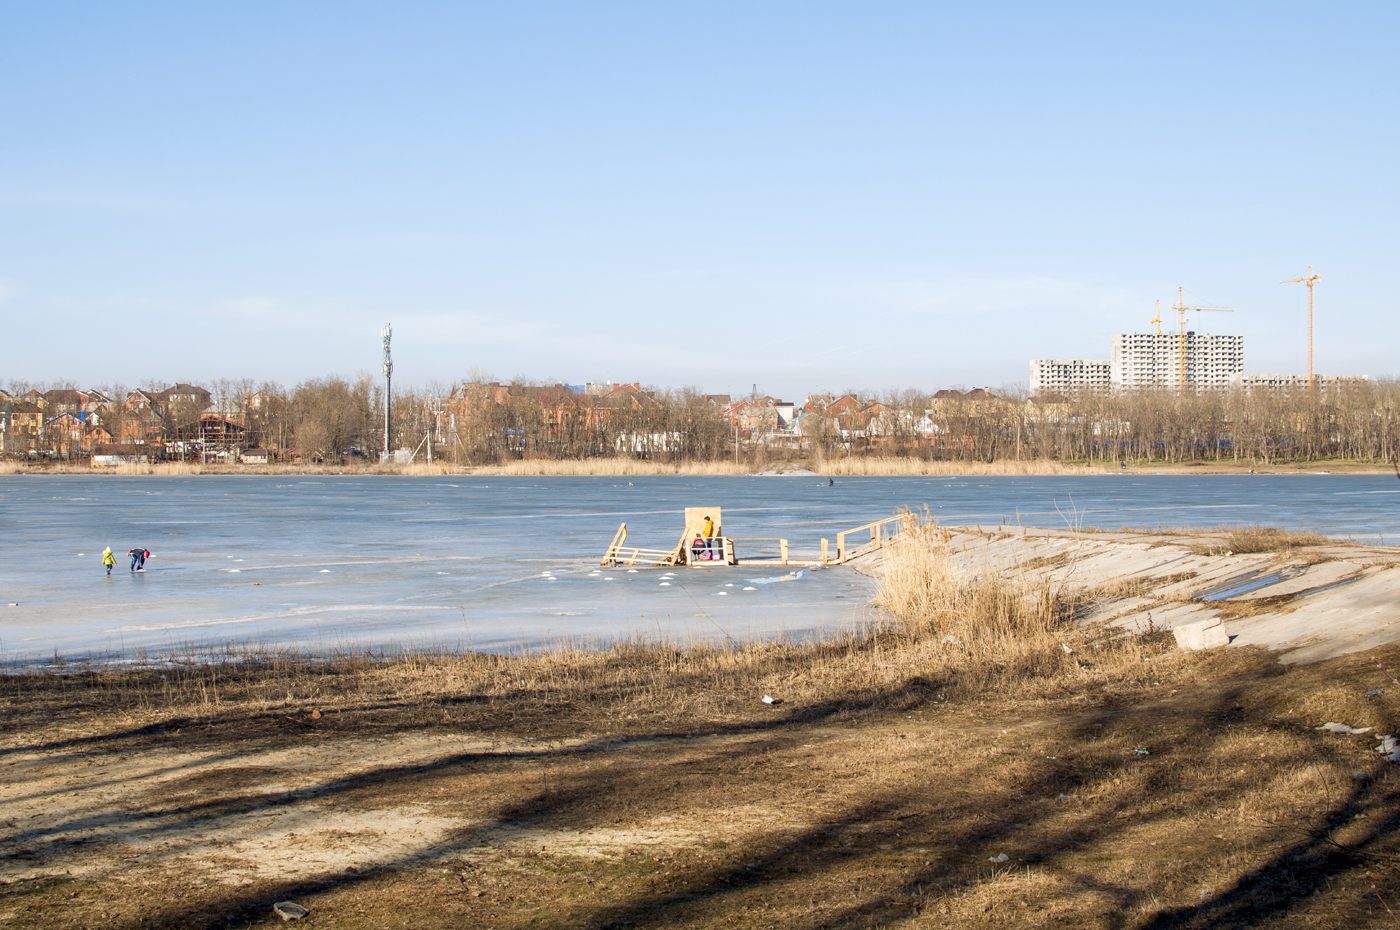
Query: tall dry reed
x,y
995,629
891,465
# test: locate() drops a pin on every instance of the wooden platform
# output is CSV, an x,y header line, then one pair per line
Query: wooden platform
x,y
727,547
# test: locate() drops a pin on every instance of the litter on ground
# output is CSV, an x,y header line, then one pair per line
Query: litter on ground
x,y
1343,728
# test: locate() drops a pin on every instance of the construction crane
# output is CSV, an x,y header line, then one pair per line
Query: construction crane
x,y
1181,309
1308,279
1157,320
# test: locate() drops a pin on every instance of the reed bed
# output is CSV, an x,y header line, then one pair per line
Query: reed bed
x,y
873,466
993,630
891,465
614,466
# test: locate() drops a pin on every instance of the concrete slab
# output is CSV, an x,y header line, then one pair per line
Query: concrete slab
x,y
1362,610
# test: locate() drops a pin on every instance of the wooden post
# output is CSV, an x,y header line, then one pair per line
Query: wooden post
x,y
782,543
840,547
823,551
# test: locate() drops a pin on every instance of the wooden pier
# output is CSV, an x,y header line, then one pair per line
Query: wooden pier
x,y
695,549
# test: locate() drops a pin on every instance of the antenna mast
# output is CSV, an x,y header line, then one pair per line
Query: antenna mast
x,y
388,368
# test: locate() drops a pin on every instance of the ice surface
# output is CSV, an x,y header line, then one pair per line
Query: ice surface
x,y
503,563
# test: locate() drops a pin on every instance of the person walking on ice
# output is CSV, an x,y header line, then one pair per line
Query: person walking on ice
x,y
139,555
108,559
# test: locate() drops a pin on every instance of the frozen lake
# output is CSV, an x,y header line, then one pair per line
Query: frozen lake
x,y
496,563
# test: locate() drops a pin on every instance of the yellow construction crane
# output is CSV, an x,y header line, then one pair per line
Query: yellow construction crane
x,y
1308,279
1181,309
1157,320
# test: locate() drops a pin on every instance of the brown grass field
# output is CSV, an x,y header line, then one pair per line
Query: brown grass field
x,y
1127,784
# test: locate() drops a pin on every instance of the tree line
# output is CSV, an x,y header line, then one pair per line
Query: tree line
x,y
338,419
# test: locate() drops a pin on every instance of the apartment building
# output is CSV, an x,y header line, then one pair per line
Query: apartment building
x,y
1139,360
1069,375
1249,382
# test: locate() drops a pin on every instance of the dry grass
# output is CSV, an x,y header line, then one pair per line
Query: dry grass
x,y
645,785
616,466
889,465
995,631
873,466
1252,539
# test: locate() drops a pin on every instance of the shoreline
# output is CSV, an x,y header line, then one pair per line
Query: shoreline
x,y
654,786
832,468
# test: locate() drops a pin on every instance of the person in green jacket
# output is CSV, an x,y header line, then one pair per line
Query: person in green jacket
x,y
108,559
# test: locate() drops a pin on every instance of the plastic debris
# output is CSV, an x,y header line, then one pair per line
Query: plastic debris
x,y
1068,651
1142,752
290,910
1375,693
1343,728
769,699
1066,797
999,859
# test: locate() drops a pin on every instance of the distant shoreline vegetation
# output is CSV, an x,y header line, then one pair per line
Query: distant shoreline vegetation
x,y
858,466
527,428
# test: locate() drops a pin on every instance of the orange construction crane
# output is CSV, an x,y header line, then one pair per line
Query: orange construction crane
x,y
1308,280
1181,309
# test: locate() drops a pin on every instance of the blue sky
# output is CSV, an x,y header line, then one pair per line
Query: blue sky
x,y
805,196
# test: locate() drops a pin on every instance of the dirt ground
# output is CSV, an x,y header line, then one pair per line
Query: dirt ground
x,y
1201,795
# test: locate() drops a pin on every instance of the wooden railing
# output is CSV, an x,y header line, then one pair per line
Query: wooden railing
x,y
782,549
619,553
878,534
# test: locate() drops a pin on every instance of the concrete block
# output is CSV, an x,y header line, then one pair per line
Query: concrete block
x,y
1206,634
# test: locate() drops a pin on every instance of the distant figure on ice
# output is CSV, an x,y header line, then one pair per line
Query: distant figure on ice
x,y
108,559
831,482
139,555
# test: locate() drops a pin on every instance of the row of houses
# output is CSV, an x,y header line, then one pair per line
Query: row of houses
x,y
71,423
565,410
184,421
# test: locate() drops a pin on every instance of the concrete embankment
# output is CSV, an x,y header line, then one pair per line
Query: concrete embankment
x,y
1309,602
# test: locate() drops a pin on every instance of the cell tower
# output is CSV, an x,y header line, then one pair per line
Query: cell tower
x,y
388,368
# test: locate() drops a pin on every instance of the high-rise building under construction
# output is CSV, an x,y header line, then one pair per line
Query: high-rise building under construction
x,y
1194,360
1137,360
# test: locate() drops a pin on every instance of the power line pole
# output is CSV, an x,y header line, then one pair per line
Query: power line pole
x,y
388,368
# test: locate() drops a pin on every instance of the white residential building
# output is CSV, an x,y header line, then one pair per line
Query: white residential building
x,y
1068,375
1249,382
1155,359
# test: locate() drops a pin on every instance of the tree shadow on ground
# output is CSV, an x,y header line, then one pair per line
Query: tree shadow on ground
x,y
843,850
